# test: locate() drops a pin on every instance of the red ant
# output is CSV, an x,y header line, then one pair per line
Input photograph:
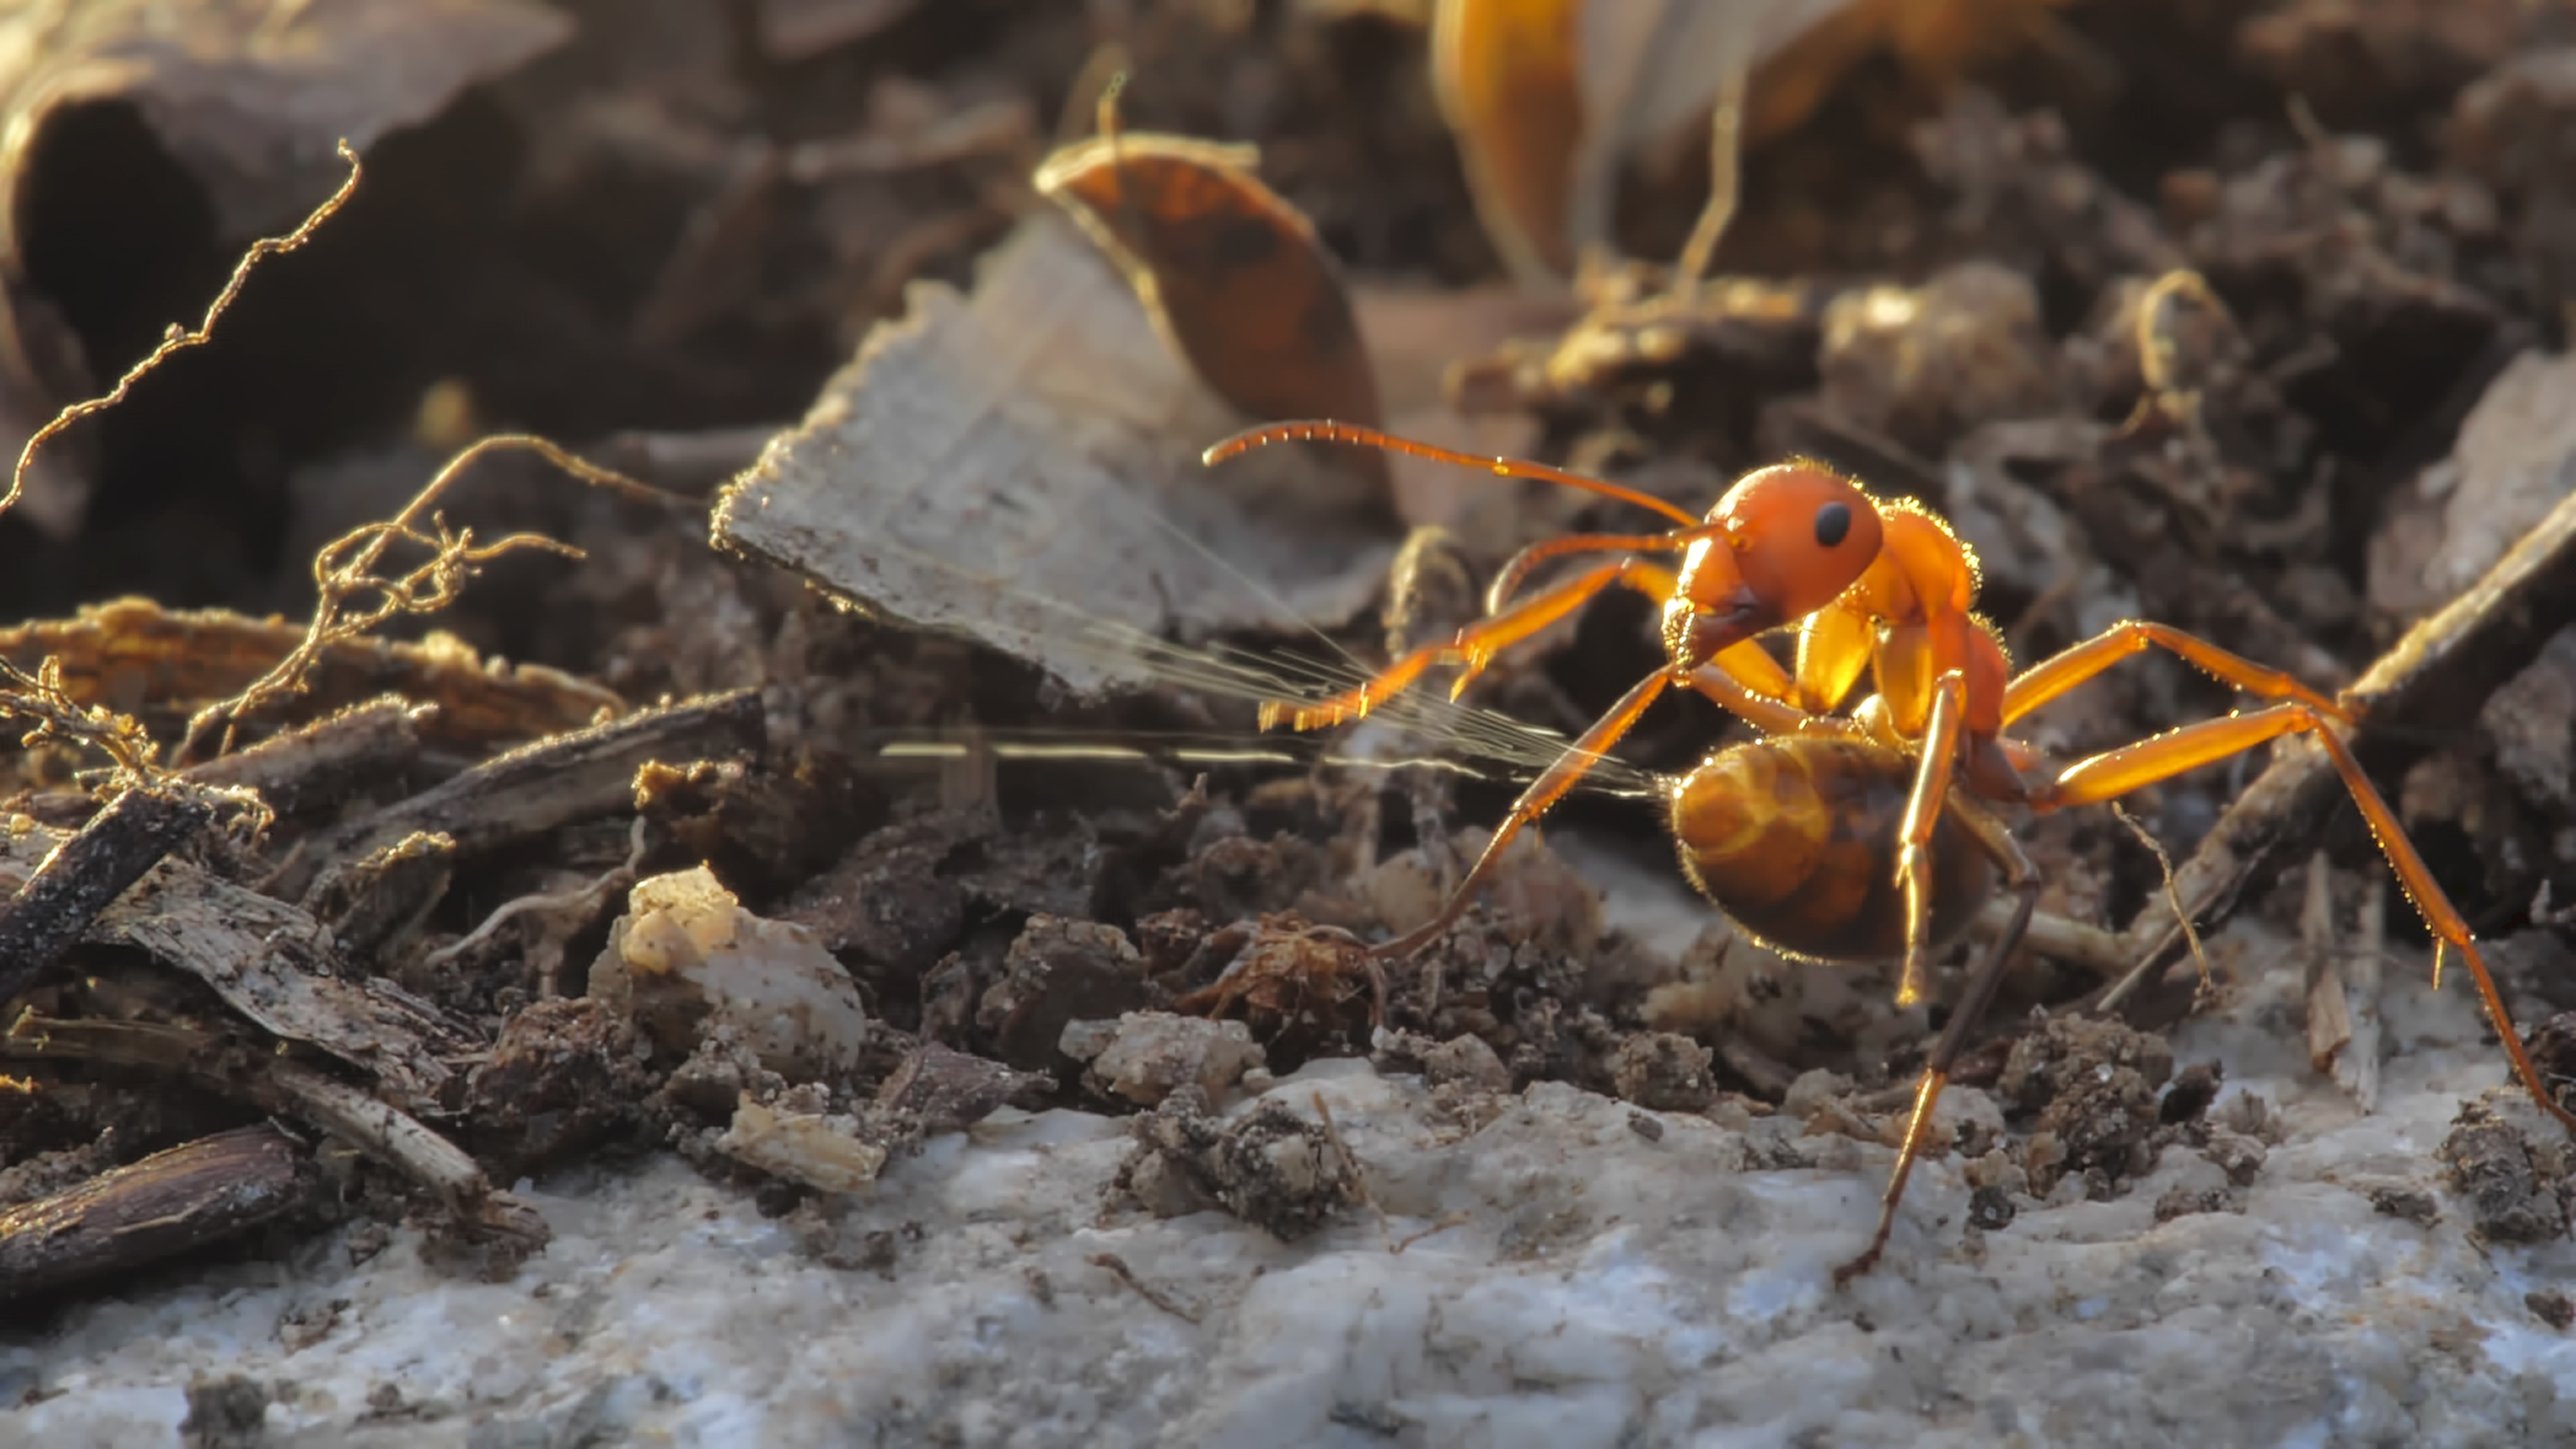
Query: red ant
x,y
1800,836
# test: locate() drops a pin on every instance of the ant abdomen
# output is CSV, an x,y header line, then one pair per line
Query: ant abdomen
x,y
1795,838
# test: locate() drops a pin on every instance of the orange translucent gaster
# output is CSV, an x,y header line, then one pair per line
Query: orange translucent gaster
x,y
1871,834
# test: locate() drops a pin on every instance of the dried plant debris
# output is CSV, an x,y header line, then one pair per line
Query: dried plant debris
x,y
824,1151
249,96
560,780
1021,466
160,663
2515,460
271,962
2160,341
252,95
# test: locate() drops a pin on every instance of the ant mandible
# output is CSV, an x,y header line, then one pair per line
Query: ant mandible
x,y
1798,836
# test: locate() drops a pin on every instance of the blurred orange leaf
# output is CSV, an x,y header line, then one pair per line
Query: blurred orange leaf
x,y
1937,41
1546,97
1505,72
1232,274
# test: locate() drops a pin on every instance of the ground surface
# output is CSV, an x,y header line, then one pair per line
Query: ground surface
x,y
689,1002
1603,1285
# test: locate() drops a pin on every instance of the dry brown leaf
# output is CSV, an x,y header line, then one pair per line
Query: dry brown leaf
x,y
1232,273
1021,467
251,96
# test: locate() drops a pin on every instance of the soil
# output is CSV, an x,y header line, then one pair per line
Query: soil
x,y
659,238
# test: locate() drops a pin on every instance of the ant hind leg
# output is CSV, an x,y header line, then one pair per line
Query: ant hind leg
x,y
2114,773
2023,879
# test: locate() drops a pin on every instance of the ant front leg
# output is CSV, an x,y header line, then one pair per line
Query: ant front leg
x,y
2114,773
2023,879
1543,792
1476,643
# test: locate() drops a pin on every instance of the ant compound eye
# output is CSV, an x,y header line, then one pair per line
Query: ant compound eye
x,y
1833,524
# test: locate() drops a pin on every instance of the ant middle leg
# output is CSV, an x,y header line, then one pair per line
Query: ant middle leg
x,y
2116,772
2078,663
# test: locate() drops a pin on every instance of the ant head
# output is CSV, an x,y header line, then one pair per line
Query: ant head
x,y
1802,534
1796,535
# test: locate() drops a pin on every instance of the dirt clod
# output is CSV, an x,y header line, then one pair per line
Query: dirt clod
x,y
1144,1056
2551,1307
1060,971
2412,1204
1663,1072
2093,1085
564,1077
2193,1089
1991,1209
230,1412
1466,1061
2237,1155
2182,1201
1270,1167
937,1089
2492,1165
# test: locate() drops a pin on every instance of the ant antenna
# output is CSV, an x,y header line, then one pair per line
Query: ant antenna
x,y
1352,433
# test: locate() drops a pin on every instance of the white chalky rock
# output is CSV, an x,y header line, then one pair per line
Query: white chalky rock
x,y
685,949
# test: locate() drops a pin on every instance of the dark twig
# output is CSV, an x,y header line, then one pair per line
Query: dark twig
x,y
88,871
236,1067
572,777
161,1206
